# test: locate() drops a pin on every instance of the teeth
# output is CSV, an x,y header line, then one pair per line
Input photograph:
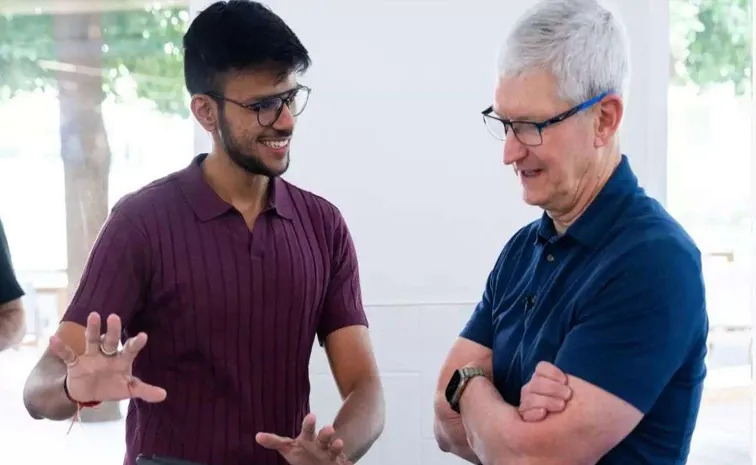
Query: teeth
x,y
276,144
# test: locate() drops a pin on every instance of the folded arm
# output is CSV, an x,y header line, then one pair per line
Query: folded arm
x,y
593,422
628,341
448,428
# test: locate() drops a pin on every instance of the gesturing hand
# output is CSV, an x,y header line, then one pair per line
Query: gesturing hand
x,y
307,448
546,392
103,373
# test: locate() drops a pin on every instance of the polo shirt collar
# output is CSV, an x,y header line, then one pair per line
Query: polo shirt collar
x,y
605,209
208,205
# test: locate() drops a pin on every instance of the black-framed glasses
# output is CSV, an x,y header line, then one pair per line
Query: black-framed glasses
x,y
530,133
269,109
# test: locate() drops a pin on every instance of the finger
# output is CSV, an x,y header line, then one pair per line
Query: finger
x,y
112,334
535,401
543,386
132,346
273,441
533,415
147,392
337,447
62,351
325,436
550,371
308,427
92,334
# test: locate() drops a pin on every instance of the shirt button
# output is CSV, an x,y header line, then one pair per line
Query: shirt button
x,y
549,258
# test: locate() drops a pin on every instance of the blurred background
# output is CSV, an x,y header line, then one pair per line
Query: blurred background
x,y
92,106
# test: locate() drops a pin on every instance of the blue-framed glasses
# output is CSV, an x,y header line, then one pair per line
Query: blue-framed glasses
x,y
530,133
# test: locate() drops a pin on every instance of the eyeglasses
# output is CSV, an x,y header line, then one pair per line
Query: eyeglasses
x,y
530,133
269,109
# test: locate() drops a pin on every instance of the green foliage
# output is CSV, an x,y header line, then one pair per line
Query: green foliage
x,y
141,48
711,42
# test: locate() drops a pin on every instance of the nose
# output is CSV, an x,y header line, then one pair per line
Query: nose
x,y
285,120
514,150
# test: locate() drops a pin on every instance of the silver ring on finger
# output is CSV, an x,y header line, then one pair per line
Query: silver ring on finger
x,y
107,353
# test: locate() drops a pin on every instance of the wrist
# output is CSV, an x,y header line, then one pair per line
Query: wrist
x,y
74,401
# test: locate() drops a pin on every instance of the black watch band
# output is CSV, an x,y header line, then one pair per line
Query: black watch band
x,y
458,383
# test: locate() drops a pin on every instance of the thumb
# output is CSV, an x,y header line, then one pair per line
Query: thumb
x,y
534,415
273,441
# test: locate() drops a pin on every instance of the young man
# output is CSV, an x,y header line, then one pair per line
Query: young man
x,y
11,311
599,304
232,272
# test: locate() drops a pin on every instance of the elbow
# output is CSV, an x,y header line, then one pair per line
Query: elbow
x,y
31,399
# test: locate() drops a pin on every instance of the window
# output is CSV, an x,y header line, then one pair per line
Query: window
x,y
709,191
92,106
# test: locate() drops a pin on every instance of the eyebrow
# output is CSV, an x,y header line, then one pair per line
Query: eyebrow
x,y
261,98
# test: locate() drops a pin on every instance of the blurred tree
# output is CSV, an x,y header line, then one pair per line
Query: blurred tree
x,y
711,43
86,58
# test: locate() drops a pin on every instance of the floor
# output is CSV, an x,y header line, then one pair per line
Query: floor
x,y
723,436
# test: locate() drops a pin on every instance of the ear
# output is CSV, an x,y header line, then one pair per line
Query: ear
x,y
608,118
205,110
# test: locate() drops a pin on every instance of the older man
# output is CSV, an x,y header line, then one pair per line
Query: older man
x,y
11,310
588,343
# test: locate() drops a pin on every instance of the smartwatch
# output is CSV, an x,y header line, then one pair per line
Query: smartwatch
x,y
458,382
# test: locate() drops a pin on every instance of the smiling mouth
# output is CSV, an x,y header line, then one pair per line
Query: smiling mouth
x,y
530,173
275,143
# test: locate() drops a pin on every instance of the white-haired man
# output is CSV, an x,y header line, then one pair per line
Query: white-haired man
x,y
588,344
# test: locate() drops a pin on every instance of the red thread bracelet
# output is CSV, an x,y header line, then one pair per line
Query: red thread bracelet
x,y
79,405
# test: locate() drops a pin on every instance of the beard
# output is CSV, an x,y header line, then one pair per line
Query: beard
x,y
249,162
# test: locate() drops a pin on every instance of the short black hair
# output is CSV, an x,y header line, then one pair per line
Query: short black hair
x,y
238,35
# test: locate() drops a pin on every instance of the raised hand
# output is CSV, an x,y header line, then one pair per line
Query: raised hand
x,y
308,448
103,373
546,392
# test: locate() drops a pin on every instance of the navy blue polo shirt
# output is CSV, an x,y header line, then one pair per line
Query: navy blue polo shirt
x,y
618,301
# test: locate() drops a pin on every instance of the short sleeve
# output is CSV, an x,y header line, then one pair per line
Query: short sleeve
x,y
342,306
479,327
9,288
116,275
632,336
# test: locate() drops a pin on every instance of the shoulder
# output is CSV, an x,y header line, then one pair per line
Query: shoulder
x,y
648,237
141,207
314,209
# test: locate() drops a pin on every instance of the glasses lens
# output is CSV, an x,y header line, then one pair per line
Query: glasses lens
x,y
269,110
299,100
527,133
495,127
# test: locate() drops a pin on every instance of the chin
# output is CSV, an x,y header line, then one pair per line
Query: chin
x,y
533,199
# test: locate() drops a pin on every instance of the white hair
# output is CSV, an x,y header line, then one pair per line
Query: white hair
x,y
580,42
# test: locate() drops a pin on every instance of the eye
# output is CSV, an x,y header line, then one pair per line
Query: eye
x,y
269,104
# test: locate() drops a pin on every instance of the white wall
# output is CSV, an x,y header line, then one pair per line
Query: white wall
x,y
393,136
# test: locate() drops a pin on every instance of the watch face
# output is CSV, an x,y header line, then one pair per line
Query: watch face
x,y
453,385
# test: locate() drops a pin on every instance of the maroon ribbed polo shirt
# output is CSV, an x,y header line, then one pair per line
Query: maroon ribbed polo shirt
x,y
231,315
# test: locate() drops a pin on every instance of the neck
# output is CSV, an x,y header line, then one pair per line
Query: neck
x,y
592,183
244,191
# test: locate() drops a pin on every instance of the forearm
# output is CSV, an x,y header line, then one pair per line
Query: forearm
x,y
12,324
361,418
44,394
495,431
450,433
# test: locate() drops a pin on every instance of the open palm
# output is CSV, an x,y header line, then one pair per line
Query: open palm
x,y
102,373
307,448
